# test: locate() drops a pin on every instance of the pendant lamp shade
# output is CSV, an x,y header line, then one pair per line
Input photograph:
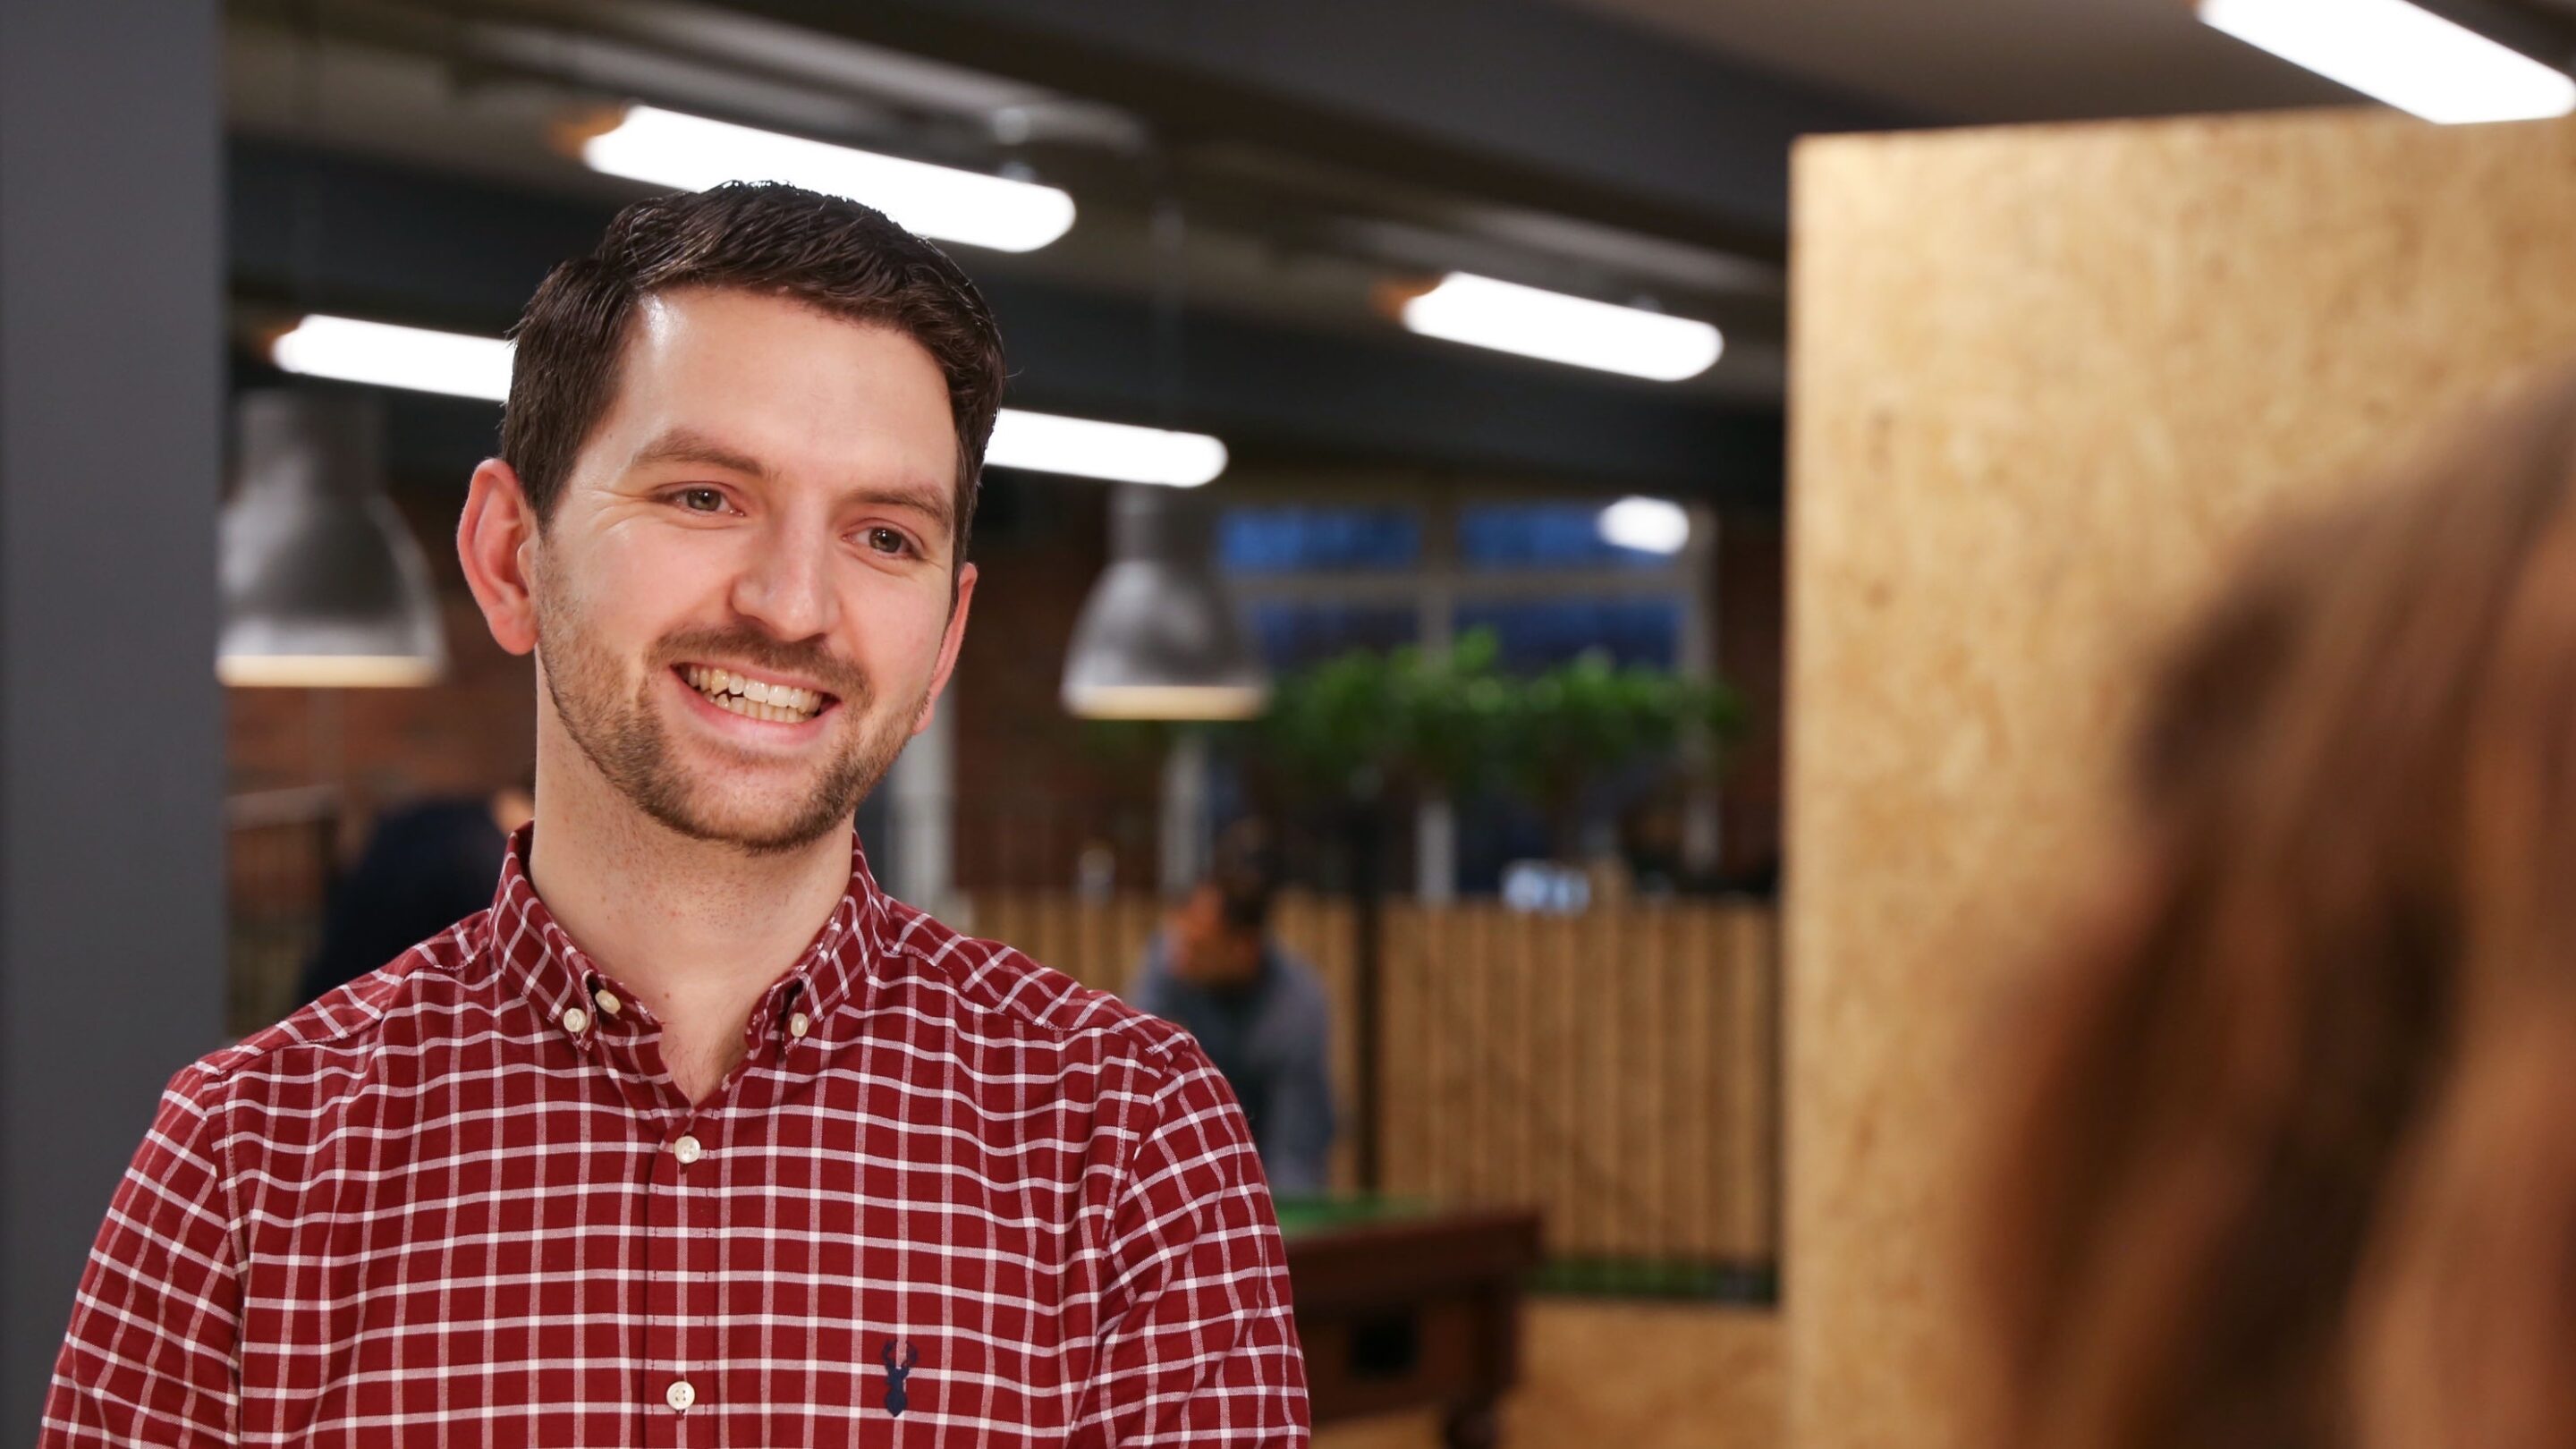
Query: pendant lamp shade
x,y
323,585
1158,639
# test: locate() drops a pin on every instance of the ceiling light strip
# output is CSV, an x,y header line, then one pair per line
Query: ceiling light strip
x,y
1509,317
2402,54
667,148
386,355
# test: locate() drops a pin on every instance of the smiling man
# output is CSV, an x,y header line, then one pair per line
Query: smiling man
x,y
695,1137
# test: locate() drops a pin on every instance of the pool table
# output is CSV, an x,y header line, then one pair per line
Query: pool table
x,y
1405,1306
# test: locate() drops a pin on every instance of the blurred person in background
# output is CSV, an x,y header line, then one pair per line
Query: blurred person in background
x,y
1259,1012
694,1134
427,866
2289,1151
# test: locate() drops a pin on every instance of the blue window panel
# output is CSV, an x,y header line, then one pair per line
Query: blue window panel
x,y
1492,833
1303,538
1511,536
1293,633
1536,633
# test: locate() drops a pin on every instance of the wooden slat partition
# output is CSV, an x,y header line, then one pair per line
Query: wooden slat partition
x,y
1617,1069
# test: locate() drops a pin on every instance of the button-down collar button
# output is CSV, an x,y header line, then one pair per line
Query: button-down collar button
x,y
608,1002
576,1020
680,1395
799,1024
687,1150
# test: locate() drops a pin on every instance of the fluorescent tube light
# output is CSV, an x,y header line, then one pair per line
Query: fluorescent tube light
x,y
390,356
666,148
325,671
1649,525
1504,315
2402,54
479,367
1116,451
1195,702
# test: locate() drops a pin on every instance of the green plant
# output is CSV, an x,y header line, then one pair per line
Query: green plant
x,y
1366,724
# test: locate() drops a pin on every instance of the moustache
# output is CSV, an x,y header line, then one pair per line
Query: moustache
x,y
836,675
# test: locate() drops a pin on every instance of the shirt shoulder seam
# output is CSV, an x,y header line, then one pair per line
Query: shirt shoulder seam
x,y
366,1011
1125,1024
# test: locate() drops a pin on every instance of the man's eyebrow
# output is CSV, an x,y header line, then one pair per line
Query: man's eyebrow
x,y
687,445
938,502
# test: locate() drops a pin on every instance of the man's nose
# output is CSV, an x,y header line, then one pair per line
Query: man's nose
x,y
787,587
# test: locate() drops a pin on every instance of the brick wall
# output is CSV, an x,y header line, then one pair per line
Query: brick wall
x,y
468,734
1032,788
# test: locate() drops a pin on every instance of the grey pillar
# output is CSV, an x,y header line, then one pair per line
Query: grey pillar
x,y
111,750
1182,834
922,791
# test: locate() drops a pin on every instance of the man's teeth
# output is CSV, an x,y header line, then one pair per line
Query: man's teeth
x,y
759,699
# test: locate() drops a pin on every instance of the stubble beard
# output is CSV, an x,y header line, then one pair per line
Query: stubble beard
x,y
623,737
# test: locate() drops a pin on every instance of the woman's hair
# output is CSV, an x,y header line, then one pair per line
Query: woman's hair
x,y
2290,1158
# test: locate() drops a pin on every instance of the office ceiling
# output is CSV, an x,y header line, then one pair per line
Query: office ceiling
x,y
1978,61
1564,143
1287,239
410,160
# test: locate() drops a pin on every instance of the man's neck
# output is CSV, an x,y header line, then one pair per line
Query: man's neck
x,y
696,929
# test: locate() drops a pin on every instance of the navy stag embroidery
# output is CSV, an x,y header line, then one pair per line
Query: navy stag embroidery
x,y
896,1401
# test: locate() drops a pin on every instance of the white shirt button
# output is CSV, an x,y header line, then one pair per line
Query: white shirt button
x,y
608,1002
688,1151
680,1395
576,1020
799,1024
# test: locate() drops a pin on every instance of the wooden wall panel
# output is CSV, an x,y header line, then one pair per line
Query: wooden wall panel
x,y
1618,1069
2045,383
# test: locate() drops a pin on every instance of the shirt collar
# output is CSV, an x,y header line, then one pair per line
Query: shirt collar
x,y
540,961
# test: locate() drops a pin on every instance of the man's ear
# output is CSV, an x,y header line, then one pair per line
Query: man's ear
x,y
493,542
949,641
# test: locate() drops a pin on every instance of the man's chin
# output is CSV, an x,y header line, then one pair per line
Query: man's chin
x,y
754,832
759,816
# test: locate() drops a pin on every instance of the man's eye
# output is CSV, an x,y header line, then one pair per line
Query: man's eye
x,y
888,541
701,500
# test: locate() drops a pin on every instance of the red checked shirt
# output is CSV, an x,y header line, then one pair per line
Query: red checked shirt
x,y
950,1198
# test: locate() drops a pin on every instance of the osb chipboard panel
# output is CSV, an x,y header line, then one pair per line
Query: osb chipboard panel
x,y
2046,383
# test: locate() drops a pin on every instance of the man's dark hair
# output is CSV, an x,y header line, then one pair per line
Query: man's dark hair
x,y
826,251
1244,873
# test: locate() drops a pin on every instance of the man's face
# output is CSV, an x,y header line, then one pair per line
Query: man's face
x,y
743,598
1206,950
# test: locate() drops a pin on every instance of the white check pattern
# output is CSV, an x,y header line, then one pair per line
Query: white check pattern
x,y
971,1203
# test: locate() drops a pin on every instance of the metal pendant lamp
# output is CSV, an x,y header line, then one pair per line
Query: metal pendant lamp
x,y
323,584
1158,639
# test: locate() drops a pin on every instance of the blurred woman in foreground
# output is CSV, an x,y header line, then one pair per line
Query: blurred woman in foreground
x,y
2292,1161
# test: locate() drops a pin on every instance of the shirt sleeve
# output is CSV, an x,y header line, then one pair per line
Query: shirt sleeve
x,y
149,1358
1199,1346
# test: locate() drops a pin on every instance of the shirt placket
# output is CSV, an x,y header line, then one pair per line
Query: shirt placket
x,y
681,1388
680,1347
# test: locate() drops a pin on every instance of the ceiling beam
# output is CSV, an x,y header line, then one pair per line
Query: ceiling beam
x,y
1518,101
